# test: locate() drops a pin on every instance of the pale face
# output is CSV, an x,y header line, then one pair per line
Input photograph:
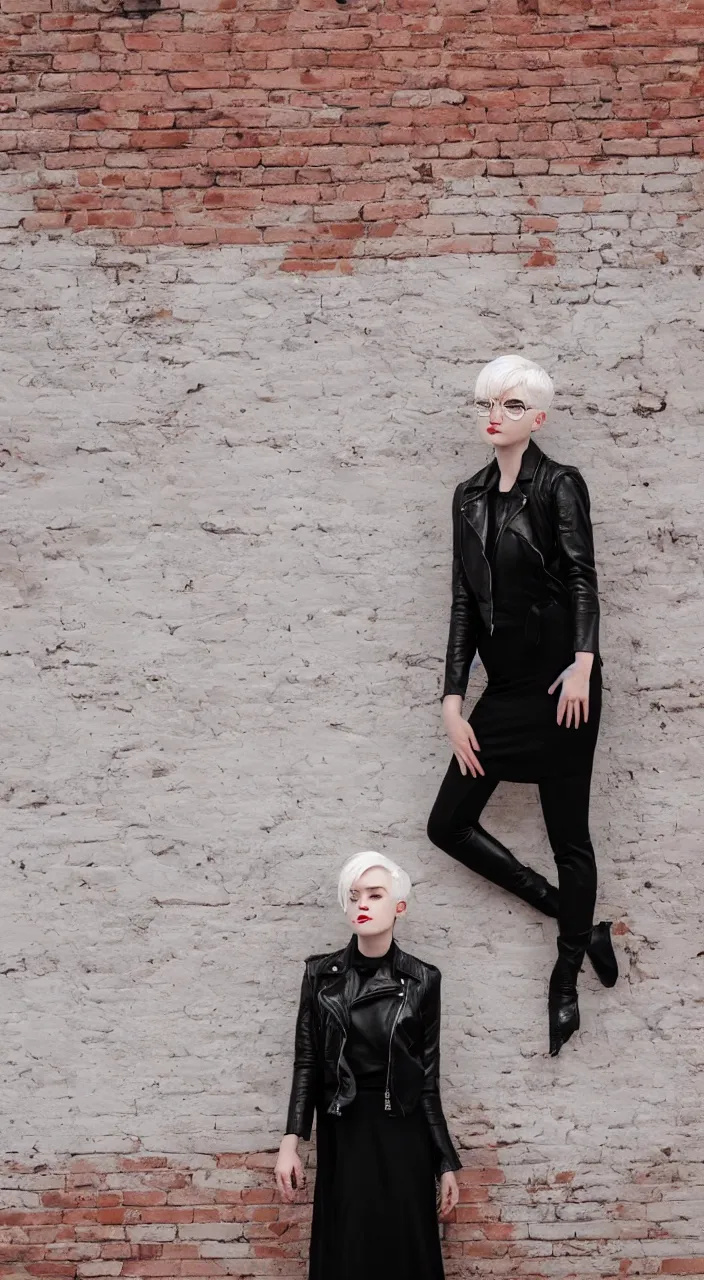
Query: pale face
x,y
372,908
496,426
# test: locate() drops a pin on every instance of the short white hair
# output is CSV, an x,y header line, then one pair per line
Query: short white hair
x,y
361,862
500,375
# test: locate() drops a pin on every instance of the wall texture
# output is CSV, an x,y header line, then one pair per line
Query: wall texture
x,y
225,541
383,128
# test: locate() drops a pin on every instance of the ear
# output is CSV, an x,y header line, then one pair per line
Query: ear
x,y
539,420
400,908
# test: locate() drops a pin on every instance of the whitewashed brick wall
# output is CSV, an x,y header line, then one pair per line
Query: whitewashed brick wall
x,y
225,550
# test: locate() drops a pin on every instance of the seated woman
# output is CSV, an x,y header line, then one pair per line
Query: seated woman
x,y
367,1063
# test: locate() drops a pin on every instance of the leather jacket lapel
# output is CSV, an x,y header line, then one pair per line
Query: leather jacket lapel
x,y
475,513
337,995
340,991
531,460
381,984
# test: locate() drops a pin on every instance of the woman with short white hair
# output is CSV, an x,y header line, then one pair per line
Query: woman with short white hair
x,y
524,597
367,1063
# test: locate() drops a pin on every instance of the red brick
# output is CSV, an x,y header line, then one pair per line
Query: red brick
x,y
675,146
380,230
159,138
44,221
539,224
315,105
232,159
258,1195
287,157
386,209
169,1214
294,195
46,1270
144,1198
297,265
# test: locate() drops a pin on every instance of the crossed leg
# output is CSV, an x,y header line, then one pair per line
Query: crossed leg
x,y
454,827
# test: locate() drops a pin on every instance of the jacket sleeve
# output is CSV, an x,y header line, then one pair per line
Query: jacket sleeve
x,y
446,1157
575,544
305,1066
464,615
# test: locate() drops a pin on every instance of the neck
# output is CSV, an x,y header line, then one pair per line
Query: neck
x,y
509,458
377,945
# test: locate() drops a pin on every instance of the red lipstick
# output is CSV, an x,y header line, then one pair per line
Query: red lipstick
x,y
492,431
363,919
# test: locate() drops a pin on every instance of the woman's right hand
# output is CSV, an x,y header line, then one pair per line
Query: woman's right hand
x,y
462,736
288,1170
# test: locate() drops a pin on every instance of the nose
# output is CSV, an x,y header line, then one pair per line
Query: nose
x,y
496,413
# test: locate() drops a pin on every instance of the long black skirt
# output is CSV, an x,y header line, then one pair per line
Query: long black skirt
x,y
515,719
374,1209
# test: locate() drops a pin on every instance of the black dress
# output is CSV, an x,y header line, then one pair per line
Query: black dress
x,y
374,1210
515,719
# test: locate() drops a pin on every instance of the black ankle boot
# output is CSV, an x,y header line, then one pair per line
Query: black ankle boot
x,y
563,1009
602,955
600,949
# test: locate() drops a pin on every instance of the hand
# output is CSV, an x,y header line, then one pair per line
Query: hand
x,y
288,1170
573,702
462,738
449,1195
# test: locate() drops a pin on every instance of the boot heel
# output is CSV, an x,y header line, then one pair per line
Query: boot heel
x,y
602,955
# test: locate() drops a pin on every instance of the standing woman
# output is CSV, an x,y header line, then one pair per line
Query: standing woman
x,y
524,595
367,1062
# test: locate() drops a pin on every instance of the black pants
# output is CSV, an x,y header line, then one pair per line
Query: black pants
x,y
454,827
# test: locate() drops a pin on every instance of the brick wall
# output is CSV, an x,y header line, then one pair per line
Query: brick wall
x,y
331,134
208,1217
225,552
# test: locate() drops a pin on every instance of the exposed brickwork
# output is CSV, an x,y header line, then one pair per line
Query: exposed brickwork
x,y
214,1216
334,133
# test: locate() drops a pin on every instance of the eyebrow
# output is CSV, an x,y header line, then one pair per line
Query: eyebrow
x,y
371,888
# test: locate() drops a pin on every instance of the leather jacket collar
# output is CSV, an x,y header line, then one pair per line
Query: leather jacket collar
x,y
397,961
475,508
533,456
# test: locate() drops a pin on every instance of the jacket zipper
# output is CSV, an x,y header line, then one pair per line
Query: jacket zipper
x,y
542,560
486,562
387,1091
374,994
336,1108
336,1105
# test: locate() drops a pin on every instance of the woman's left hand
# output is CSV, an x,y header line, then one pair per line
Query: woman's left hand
x,y
573,703
449,1194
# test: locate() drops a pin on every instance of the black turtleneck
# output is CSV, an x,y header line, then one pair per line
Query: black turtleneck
x,y
368,964
367,1046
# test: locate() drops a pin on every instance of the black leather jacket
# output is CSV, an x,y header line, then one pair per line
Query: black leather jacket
x,y
407,999
551,513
